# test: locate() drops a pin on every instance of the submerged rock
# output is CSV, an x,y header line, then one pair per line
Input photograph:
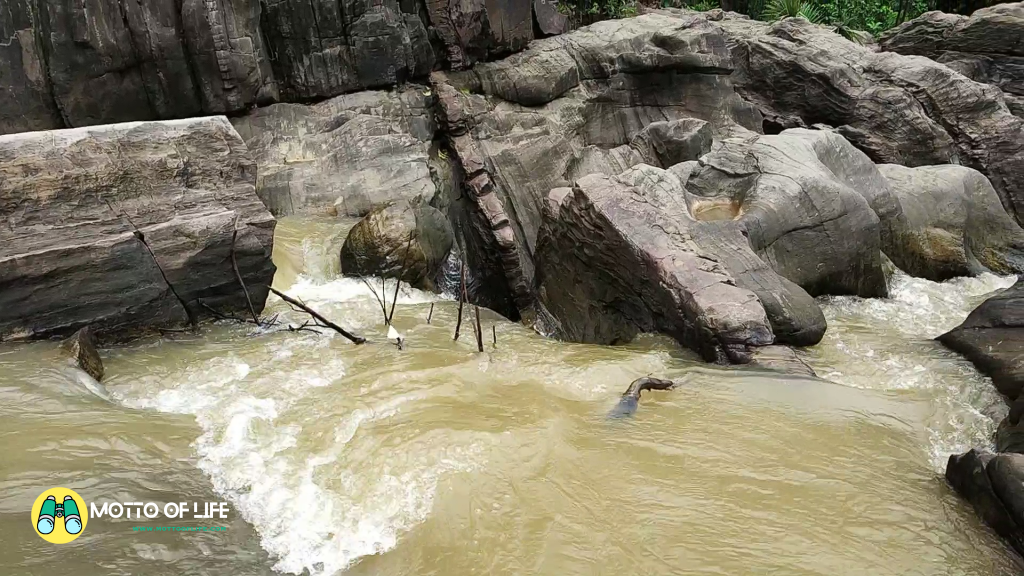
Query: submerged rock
x,y
348,155
127,227
992,337
906,110
413,235
950,223
80,348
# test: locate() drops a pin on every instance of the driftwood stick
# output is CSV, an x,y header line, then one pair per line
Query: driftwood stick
x,y
398,282
431,313
494,336
324,322
220,315
238,275
479,333
375,296
462,294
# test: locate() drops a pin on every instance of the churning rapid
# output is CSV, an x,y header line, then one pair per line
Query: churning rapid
x,y
437,459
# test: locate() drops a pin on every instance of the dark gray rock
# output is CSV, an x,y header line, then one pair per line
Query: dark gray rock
x,y
622,255
127,227
549,19
992,337
476,30
906,110
80,348
347,155
974,477
410,240
950,223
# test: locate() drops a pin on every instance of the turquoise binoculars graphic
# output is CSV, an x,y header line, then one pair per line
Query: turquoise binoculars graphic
x,y
51,510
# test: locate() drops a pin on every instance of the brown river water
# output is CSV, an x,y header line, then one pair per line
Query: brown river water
x,y
437,459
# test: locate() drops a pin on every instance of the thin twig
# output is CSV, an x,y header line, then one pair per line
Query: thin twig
x,y
431,313
220,315
304,327
494,336
398,282
462,294
324,322
238,275
375,296
479,333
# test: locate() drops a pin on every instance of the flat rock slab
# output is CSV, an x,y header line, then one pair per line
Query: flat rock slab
x,y
127,227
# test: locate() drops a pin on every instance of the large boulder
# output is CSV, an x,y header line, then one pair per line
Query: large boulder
x,y
987,46
807,222
350,154
906,110
992,337
951,223
566,107
128,227
621,255
405,240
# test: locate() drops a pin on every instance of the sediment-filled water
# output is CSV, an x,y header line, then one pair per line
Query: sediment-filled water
x,y
437,459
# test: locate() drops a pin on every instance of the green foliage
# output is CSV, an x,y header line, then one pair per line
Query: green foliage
x,y
586,11
779,9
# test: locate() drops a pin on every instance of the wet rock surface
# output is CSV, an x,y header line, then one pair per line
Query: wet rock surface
x,y
80,349
406,240
127,227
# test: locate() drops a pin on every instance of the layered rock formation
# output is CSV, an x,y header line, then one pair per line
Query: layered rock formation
x,y
71,64
128,226
568,106
987,46
347,155
906,110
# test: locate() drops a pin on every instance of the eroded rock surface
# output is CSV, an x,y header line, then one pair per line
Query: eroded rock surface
x,y
568,106
127,227
621,255
80,349
994,485
347,155
951,224
906,110
987,46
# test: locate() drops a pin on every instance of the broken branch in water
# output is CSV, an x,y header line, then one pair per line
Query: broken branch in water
x,y
321,321
398,281
462,297
383,310
494,336
304,327
238,275
431,313
479,332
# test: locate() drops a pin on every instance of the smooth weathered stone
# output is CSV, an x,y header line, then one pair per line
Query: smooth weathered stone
x,y
951,224
992,337
410,240
80,348
801,218
127,227
670,143
906,110
350,154
971,476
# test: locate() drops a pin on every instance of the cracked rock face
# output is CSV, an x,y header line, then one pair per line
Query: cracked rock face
x,y
906,110
348,155
619,255
127,227
568,106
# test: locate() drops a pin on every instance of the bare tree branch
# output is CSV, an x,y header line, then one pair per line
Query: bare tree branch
x,y
323,322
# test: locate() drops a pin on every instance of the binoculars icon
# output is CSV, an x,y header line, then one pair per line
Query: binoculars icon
x,y
68,510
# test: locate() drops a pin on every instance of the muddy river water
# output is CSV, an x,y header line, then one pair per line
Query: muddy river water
x,y
437,459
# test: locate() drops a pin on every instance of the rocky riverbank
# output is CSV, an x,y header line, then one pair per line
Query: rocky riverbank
x,y
705,176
